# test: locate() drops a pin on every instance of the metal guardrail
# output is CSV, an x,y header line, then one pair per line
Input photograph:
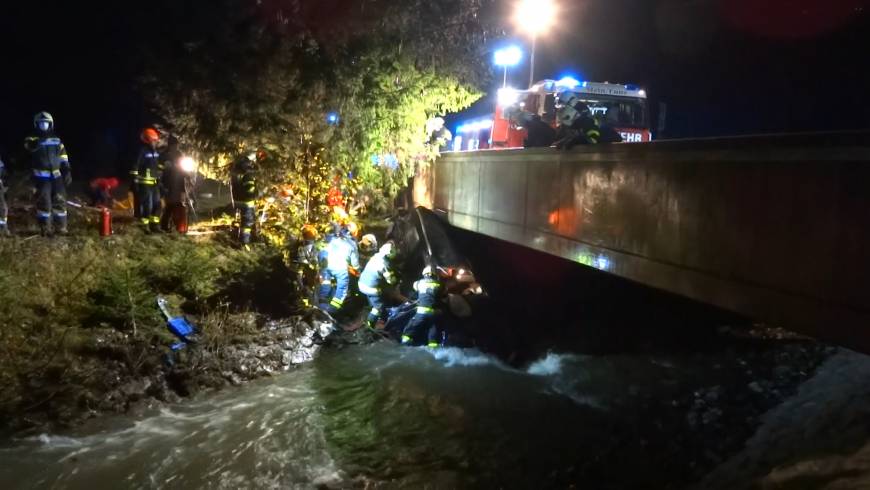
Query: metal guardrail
x,y
775,227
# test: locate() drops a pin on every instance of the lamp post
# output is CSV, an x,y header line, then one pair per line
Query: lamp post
x,y
534,17
505,57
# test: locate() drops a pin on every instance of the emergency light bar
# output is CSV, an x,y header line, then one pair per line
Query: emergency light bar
x,y
584,87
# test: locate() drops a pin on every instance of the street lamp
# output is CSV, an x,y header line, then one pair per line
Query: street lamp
x,y
534,17
506,57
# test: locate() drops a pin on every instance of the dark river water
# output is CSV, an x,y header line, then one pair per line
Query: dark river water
x,y
665,395
381,416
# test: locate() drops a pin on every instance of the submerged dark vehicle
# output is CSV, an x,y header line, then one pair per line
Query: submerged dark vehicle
x,y
422,239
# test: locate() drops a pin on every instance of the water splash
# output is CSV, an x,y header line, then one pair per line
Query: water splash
x,y
548,366
454,356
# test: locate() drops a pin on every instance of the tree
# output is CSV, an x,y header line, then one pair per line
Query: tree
x,y
333,91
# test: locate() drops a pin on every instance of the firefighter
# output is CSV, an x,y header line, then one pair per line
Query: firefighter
x,y
307,263
351,232
146,181
428,289
576,123
175,183
368,246
4,227
375,278
341,257
539,134
100,191
327,281
244,185
51,174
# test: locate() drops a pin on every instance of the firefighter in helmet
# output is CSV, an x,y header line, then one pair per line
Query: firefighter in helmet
x,y
375,281
51,174
342,257
146,181
577,124
307,264
428,289
244,185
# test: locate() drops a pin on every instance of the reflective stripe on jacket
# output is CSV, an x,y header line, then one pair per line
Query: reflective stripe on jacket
x,y
149,167
427,294
48,153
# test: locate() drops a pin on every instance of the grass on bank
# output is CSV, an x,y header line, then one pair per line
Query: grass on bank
x,y
70,306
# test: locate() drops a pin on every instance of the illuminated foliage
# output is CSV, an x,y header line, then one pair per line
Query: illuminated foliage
x,y
336,92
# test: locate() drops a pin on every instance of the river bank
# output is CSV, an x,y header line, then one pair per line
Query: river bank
x,y
82,336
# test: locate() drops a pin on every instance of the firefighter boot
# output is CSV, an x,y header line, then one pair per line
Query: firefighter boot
x,y
60,225
44,227
154,226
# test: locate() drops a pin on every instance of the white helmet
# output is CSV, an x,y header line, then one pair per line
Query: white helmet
x,y
387,250
427,271
43,121
368,242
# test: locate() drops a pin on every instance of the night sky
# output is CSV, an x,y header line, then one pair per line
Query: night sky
x,y
722,66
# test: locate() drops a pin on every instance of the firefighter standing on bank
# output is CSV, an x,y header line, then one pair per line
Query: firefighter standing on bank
x,y
244,185
51,174
377,276
428,289
146,181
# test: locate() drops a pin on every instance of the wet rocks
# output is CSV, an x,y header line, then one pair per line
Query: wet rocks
x,y
119,374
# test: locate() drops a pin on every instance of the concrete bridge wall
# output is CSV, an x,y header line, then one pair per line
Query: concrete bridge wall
x,y
773,227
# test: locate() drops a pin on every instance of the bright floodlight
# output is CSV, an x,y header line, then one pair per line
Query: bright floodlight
x,y
535,16
509,56
188,164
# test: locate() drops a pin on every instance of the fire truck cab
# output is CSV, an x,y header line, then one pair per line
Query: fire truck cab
x,y
622,107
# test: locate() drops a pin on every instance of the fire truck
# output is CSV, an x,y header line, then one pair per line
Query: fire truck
x,y
622,107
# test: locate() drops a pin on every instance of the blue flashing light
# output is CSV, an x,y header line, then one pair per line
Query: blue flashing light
x,y
568,82
332,118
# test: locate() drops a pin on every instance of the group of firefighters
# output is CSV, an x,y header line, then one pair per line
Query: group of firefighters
x,y
161,181
576,125
326,267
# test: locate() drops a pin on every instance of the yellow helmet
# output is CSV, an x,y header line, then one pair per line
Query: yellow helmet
x,y
309,232
353,229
